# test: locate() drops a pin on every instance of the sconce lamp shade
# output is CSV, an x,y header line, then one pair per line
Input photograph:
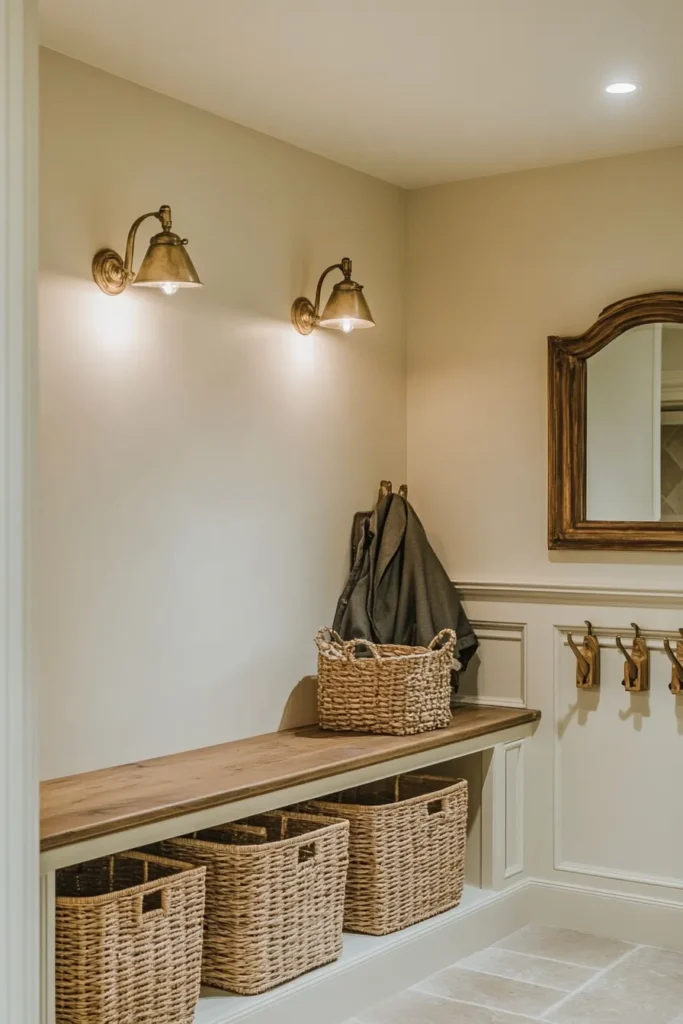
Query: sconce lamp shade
x,y
346,308
167,263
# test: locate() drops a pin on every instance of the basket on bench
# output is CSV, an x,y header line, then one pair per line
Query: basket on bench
x,y
395,690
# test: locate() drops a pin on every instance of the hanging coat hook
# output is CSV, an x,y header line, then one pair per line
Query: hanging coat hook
x,y
676,684
385,488
587,660
630,663
583,662
637,663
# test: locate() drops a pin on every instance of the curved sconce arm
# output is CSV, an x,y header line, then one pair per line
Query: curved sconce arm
x,y
345,267
163,214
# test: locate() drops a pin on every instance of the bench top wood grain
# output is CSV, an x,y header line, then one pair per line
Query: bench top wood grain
x,y
82,807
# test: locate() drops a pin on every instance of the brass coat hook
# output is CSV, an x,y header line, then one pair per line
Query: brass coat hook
x,y
587,659
637,663
386,488
676,684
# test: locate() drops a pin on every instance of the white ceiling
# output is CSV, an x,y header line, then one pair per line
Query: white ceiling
x,y
413,91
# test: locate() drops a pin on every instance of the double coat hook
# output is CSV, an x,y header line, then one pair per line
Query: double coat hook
x,y
676,660
587,659
637,663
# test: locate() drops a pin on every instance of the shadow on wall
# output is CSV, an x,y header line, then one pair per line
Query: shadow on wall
x,y
302,705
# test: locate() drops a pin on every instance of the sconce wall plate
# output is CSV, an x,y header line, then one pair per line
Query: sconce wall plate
x,y
345,310
166,265
108,271
303,315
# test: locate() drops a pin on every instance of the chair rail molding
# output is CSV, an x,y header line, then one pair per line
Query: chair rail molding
x,y
567,593
19,926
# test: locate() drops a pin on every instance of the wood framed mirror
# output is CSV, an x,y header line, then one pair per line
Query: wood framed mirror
x,y
615,426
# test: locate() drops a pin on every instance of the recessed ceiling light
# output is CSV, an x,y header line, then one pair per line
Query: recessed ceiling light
x,y
620,87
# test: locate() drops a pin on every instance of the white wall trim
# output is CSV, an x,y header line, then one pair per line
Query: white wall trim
x,y
373,969
373,965
543,593
607,640
492,702
506,632
514,807
632,918
19,924
595,871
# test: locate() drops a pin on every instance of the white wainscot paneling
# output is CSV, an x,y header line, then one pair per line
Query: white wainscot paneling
x,y
618,760
514,809
497,672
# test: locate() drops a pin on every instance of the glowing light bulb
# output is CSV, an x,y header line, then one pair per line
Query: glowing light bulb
x,y
347,326
621,87
168,288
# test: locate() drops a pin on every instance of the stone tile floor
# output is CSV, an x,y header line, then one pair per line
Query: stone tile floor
x,y
546,974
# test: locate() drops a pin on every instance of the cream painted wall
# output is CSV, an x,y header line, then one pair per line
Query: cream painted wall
x,y
199,461
495,266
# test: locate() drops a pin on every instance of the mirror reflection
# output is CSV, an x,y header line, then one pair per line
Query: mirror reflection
x,y
634,436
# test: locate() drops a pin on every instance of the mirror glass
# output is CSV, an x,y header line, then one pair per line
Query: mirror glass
x,y
634,435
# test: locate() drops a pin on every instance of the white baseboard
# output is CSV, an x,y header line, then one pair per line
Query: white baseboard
x,y
373,969
632,918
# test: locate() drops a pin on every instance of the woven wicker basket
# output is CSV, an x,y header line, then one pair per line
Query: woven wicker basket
x,y
274,897
397,691
406,849
128,941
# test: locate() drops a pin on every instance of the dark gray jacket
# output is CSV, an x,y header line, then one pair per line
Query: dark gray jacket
x,y
398,592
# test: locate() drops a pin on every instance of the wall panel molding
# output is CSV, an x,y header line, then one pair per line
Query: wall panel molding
x,y
514,809
500,678
596,871
543,593
587,868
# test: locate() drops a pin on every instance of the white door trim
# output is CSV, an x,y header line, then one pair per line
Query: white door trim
x,y
19,929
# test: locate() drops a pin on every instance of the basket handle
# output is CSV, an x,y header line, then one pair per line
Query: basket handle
x,y
450,642
352,645
334,645
306,852
153,904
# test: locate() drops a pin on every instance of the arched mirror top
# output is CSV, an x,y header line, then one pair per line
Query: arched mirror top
x,y
616,429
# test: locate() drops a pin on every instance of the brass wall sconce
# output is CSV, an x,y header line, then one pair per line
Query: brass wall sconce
x,y
166,264
587,659
345,310
637,664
